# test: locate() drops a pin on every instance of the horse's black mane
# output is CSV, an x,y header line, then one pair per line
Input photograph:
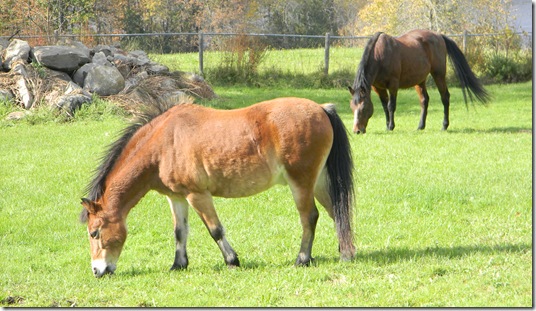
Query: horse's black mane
x,y
360,78
153,108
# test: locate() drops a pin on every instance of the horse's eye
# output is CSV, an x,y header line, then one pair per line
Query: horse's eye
x,y
95,234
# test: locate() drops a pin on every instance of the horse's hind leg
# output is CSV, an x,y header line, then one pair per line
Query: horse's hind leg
x,y
305,203
204,206
179,210
445,97
424,98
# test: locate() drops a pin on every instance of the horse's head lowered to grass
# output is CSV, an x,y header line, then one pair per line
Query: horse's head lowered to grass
x,y
107,234
362,108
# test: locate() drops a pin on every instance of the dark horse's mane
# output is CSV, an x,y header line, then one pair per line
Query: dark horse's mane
x,y
153,107
361,78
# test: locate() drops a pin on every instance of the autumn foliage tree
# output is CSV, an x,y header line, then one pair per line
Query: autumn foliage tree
x,y
346,17
451,16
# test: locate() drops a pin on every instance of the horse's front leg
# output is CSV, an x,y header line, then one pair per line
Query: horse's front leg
x,y
204,206
384,98
179,210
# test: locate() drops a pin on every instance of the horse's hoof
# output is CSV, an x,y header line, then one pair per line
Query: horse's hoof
x,y
303,262
178,267
235,263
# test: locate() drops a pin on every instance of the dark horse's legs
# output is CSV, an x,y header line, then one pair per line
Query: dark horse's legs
x,y
384,98
391,107
179,210
445,97
204,206
424,98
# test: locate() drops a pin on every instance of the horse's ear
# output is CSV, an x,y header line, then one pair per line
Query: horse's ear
x,y
352,91
91,206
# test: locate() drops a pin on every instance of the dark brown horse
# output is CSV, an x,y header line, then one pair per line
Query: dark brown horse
x,y
190,153
390,63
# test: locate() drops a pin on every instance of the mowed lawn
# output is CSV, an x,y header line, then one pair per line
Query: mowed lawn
x,y
442,218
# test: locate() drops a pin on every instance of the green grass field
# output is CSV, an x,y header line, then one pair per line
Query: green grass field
x,y
300,68
441,218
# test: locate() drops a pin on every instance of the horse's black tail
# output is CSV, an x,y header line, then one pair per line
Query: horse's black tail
x,y
465,75
340,169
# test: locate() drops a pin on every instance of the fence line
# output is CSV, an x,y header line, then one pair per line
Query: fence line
x,y
202,44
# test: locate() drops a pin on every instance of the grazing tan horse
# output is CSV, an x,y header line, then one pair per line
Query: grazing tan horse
x,y
190,153
390,63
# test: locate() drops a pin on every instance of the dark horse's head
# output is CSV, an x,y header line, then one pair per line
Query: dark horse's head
x,y
362,108
361,104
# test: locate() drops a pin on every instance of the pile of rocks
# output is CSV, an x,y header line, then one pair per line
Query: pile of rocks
x,y
68,75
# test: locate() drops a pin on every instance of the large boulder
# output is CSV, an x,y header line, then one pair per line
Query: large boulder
x,y
104,80
17,50
60,57
79,76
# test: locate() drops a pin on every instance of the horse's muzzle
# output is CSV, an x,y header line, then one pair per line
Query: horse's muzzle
x,y
100,268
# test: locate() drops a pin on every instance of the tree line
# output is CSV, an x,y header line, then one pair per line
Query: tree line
x,y
304,17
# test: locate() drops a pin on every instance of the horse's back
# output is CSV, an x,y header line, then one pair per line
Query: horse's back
x,y
421,52
299,131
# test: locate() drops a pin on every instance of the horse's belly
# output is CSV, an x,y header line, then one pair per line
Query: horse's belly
x,y
245,181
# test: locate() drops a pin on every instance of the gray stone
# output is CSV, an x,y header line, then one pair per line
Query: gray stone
x,y
80,75
17,49
25,94
49,74
69,103
3,44
133,81
140,58
104,81
17,115
106,49
157,69
62,58
100,59
6,95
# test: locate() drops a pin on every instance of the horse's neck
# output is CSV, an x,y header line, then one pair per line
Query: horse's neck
x,y
130,179
369,74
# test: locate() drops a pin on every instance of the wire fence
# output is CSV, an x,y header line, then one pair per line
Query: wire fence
x,y
327,53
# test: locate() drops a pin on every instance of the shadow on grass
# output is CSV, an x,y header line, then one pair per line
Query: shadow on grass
x,y
506,130
390,255
403,254
383,256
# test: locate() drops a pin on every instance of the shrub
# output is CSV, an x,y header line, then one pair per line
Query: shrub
x,y
507,69
240,60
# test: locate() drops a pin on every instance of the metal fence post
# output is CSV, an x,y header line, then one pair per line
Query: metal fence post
x,y
201,44
326,55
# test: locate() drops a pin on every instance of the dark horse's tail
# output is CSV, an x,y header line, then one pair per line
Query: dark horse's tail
x,y
465,75
340,168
